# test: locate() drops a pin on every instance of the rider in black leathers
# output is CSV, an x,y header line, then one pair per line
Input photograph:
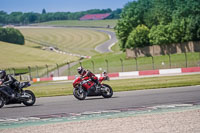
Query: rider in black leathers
x,y
9,82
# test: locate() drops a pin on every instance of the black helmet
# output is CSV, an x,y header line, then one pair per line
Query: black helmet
x,y
2,74
80,70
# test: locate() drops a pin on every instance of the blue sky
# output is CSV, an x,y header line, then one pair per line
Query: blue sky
x,y
59,5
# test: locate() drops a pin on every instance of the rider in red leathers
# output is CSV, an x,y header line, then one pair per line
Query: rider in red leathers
x,y
88,74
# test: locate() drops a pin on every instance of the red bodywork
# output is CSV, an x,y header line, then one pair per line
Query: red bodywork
x,y
87,83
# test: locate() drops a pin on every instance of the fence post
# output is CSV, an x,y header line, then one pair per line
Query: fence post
x,y
14,72
29,70
9,70
37,71
136,63
68,68
20,77
122,65
92,65
47,70
199,55
57,69
186,60
199,60
153,63
170,63
80,63
107,65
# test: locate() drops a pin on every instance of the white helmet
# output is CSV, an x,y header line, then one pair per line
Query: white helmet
x,y
80,70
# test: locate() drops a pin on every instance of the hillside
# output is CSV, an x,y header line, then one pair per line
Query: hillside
x,y
16,56
71,40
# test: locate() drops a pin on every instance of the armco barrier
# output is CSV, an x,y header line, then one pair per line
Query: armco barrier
x,y
132,73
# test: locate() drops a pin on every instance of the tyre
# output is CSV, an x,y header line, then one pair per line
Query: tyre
x,y
31,100
107,91
2,102
80,94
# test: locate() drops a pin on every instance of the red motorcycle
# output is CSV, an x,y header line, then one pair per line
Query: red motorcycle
x,y
84,87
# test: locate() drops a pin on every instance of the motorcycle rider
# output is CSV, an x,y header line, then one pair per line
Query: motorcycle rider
x,y
9,82
87,73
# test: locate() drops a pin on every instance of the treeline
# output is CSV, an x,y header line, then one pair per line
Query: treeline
x,y
11,35
31,17
157,22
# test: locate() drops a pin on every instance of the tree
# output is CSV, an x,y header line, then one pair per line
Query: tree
x,y
3,17
158,35
138,37
31,17
115,14
132,15
15,17
169,21
43,11
11,35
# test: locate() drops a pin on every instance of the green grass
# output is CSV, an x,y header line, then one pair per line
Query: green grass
x,y
77,41
57,89
88,23
156,82
18,56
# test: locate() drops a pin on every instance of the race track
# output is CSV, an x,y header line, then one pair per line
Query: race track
x,y
106,46
64,105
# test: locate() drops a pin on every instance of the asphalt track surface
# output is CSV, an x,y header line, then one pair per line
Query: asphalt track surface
x,y
121,100
106,46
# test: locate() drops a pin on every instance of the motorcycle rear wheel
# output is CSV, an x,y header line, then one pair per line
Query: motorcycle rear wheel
x,y
107,91
32,98
80,95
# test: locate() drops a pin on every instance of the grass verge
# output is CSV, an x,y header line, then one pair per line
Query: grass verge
x,y
44,89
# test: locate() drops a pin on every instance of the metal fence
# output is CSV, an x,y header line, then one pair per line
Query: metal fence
x,y
110,66
138,64
29,73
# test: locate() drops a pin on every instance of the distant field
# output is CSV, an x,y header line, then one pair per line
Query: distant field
x,y
88,23
17,56
72,40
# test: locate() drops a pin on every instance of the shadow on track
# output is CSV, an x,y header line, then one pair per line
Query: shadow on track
x,y
97,98
20,106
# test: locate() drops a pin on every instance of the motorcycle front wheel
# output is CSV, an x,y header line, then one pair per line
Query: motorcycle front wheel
x,y
107,91
31,99
80,94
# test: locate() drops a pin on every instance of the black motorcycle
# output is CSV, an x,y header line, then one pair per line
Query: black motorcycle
x,y
18,96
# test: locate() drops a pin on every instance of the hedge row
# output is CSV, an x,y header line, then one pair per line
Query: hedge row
x,y
11,35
